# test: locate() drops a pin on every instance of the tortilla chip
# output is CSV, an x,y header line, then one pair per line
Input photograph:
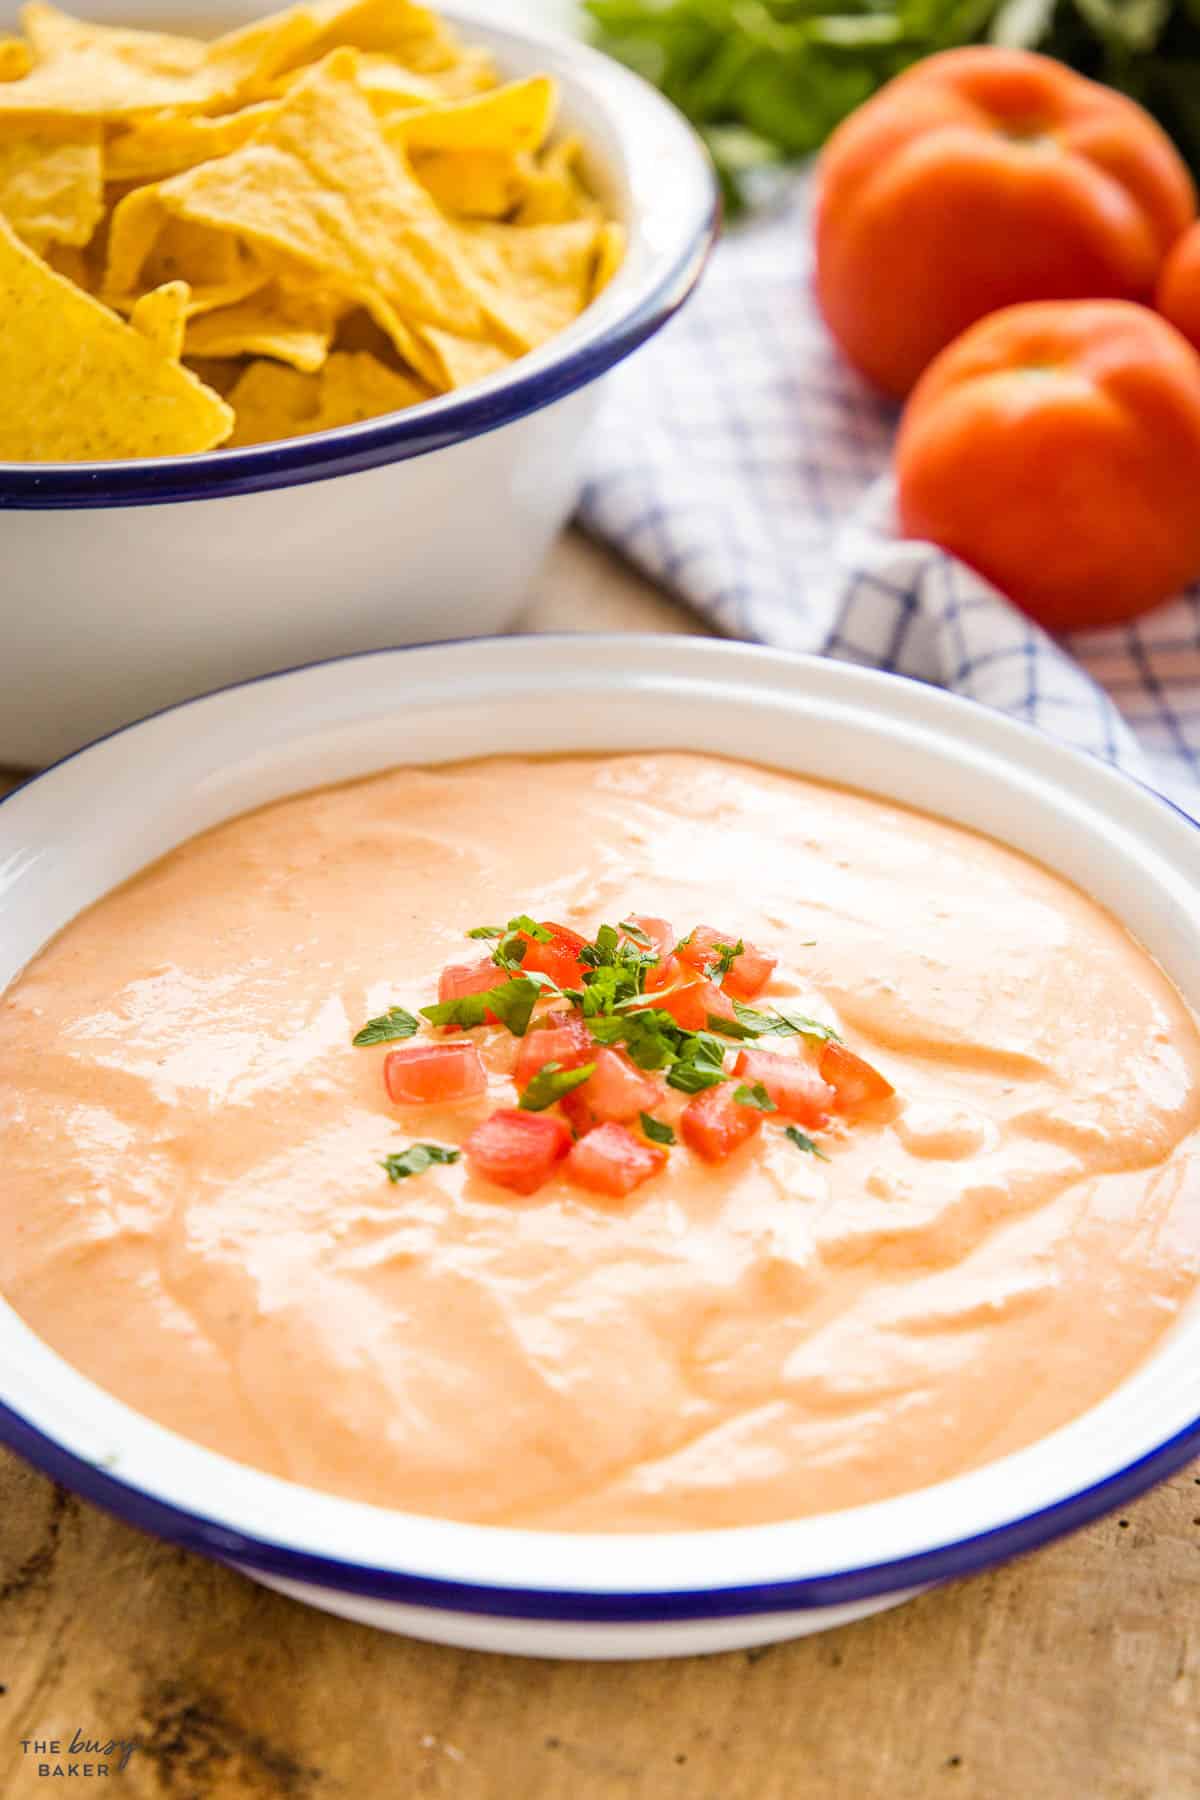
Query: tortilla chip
x,y
473,184
410,33
555,194
150,149
447,362
319,188
74,263
294,328
517,116
90,386
161,315
16,59
218,270
272,402
390,86
610,256
106,72
51,191
536,278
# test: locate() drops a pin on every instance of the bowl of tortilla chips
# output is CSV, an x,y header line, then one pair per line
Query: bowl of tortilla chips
x,y
302,316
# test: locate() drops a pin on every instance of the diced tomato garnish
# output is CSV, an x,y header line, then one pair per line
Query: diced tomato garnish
x,y
695,1003
857,1085
713,1123
662,941
663,974
794,1085
612,1160
563,1038
559,959
747,974
426,1074
617,1091
457,980
517,1150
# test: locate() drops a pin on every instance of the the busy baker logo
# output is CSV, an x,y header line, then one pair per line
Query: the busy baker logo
x,y
82,1756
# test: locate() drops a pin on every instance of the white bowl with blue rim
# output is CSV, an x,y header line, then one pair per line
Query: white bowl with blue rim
x,y
77,831
128,585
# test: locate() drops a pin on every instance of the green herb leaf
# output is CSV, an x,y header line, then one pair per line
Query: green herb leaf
x,y
551,1082
512,1002
657,1130
727,955
766,81
403,1163
781,1021
754,1094
699,1064
388,1028
732,1028
487,931
802,1141
636,933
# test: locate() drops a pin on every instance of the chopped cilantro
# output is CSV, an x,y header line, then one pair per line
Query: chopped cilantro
x,y
727,955
513,946
802,1141
551,1082
657,1130
487,931
512,1002
781,1021
636,933
754,1094
390,1026
734,1028
417,1157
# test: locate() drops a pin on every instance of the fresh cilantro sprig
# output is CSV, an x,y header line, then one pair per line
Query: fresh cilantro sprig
x,y
512,1002
551,1082
657,1130
768,81
513,945
754,1094
388,1028
486,931
783,1021
802,1141
418,1157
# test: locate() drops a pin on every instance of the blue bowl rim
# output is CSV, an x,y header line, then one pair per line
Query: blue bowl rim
x,y
433,425
843,1587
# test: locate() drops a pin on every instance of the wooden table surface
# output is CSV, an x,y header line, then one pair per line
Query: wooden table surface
x,y
1073,1674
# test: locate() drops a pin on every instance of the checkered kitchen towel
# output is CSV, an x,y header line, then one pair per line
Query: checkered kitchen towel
x,y
742,465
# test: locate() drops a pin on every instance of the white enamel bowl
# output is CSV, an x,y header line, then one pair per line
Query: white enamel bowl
x,y
128,585
75,832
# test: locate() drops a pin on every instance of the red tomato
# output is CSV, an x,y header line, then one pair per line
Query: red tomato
x,y
424,1074
617,1091
794,1085
559,959
563,1039
457,980
695,1003
855,1083
747,974
517,1150
713,1123
662,941
612,1160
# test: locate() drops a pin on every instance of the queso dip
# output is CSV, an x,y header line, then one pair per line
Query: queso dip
x,y
873,1284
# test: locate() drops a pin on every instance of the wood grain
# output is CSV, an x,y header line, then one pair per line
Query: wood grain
x,y
1073,1674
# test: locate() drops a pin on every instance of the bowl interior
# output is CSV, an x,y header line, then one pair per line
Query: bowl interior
x,y
100,816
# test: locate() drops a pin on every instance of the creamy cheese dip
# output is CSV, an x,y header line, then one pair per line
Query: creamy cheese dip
x,y
194,1213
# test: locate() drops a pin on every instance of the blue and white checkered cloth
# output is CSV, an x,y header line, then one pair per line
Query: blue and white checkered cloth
x,y
742,465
